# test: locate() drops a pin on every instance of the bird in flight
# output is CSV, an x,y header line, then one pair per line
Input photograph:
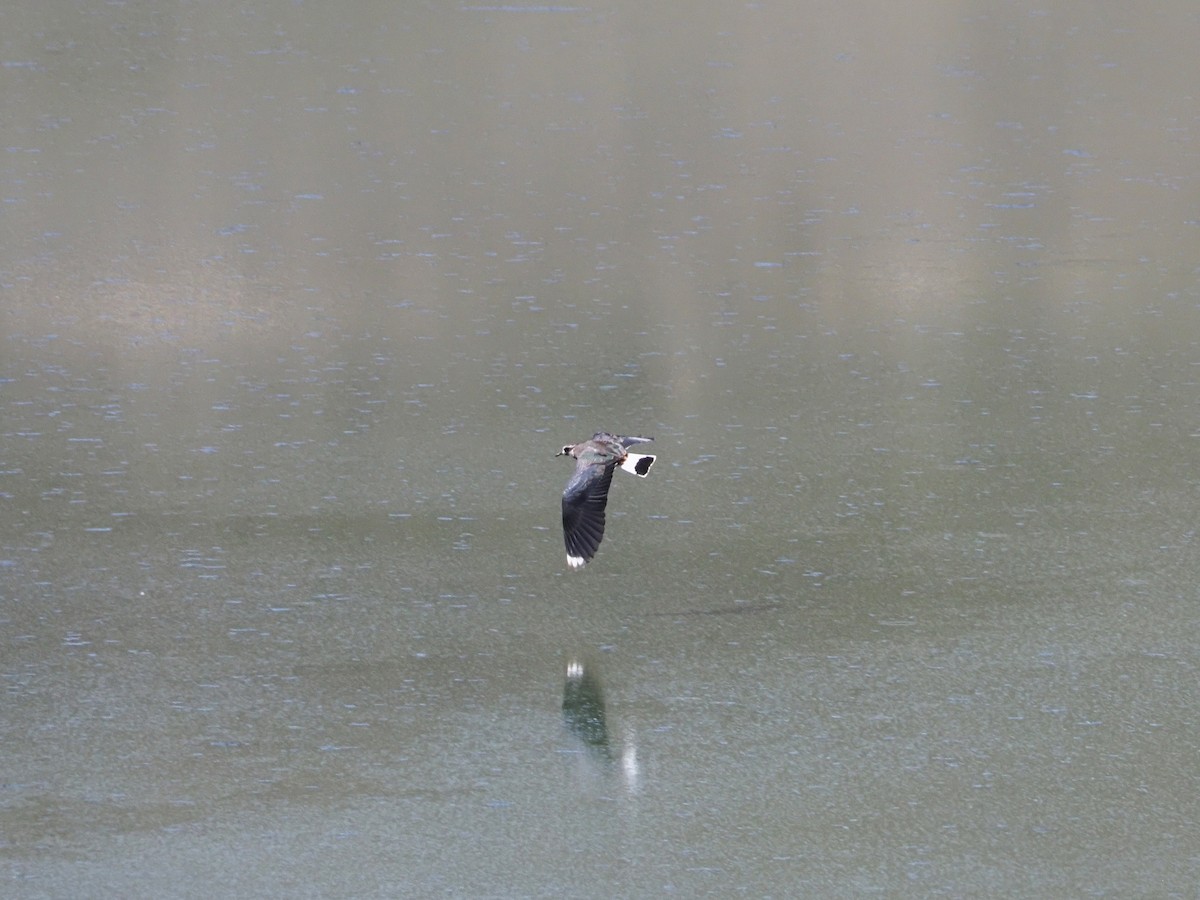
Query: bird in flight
x,y
586,494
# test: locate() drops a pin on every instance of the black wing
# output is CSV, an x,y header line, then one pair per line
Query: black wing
x,y
583,502
628,442
632,440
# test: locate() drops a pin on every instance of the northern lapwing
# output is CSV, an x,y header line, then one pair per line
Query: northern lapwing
x,y
586,494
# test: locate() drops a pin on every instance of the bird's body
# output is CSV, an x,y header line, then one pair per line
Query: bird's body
x,y
586,494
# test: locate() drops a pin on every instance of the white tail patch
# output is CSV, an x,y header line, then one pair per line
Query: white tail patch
x,y
637,463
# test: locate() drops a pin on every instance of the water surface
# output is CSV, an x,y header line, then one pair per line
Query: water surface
x,y
297,304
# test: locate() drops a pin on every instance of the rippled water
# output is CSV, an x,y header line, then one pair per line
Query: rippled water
x,y
297,304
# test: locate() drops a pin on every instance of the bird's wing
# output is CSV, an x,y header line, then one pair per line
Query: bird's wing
x,y
628,442
583,502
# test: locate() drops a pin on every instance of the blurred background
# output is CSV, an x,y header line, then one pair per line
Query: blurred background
x,y
298,301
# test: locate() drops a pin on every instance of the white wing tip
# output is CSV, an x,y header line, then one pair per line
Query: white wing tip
x,y
575,562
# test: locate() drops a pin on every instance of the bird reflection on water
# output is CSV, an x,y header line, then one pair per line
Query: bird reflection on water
x,y
586,717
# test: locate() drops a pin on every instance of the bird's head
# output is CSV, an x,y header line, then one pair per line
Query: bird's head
x,y
566,450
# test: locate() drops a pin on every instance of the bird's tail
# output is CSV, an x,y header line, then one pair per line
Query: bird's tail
x,y
637,463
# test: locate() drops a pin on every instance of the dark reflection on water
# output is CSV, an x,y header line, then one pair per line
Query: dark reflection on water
x,y
610,745
583,709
